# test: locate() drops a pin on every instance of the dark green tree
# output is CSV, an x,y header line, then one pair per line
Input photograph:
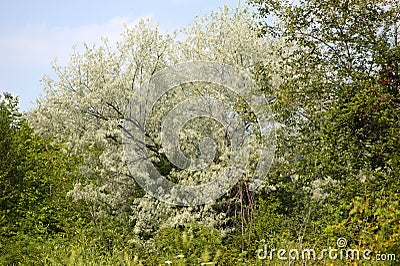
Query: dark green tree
x,y
34,181
339,106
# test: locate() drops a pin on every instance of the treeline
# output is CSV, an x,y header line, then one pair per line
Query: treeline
x,y
330,70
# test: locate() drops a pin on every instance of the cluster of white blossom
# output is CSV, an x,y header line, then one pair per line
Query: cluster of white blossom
x,y
84,108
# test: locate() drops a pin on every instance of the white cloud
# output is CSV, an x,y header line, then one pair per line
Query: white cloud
x,y
41,44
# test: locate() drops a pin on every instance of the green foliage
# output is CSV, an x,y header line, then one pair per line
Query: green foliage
x,y
189,245
34,179
339,109
337,166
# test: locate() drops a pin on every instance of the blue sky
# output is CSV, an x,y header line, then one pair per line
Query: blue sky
x,y
34,33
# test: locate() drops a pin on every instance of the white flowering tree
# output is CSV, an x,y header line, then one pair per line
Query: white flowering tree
x,y
85,108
